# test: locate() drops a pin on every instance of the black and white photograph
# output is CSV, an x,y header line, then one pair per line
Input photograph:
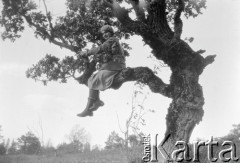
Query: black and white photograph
x,y
119,81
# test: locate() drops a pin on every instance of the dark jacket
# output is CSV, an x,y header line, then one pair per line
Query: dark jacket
x,y
110,55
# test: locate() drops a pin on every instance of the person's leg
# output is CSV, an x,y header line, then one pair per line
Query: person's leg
x,y
97,103
93,104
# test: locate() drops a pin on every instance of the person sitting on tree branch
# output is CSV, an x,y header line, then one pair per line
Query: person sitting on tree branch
x,y
112,61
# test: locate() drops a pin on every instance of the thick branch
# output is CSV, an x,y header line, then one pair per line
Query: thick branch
x,y
178,24
209,60
157,20
140,74
143,75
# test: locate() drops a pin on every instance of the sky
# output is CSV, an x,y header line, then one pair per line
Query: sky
x,y
28,105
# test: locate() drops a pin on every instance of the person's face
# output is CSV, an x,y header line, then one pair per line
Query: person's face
x,y
106,35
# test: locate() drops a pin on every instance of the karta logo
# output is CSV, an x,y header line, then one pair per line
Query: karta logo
x,y
228,150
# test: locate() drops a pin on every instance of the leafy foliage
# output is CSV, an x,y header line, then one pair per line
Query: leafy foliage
x,y
12,18
78,134
78,141
3,149
114,141
1,137
192,8
134,140
78,28
29,144
234,134
73,147
13,149
52,68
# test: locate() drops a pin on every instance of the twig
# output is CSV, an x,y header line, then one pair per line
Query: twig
x,y
119,124
48,15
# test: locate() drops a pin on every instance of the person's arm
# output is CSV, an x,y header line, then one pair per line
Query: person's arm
x,y
107,44
94,51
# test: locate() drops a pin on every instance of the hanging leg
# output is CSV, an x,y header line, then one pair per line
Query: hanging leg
x,y
93,104
97,103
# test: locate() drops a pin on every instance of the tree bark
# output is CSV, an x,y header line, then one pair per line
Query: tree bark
x,y
186,108
185,111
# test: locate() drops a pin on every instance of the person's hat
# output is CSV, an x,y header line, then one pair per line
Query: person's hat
x,y
106,28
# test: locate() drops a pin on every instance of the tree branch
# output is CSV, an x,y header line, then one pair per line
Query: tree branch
x,y
120,125
209,59
178,24
145,76
155,24
141,74
48,36
157,20
50,23
48,16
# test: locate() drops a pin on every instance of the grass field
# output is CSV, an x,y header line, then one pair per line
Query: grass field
x,y
104,156
111,156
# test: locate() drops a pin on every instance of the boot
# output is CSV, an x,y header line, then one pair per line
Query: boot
x,y
98,103
87,111
93,104
94,94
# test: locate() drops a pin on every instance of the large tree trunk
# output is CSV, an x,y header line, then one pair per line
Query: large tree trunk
x,y
186,109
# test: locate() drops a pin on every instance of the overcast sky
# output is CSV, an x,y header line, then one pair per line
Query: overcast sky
x,y
25,104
